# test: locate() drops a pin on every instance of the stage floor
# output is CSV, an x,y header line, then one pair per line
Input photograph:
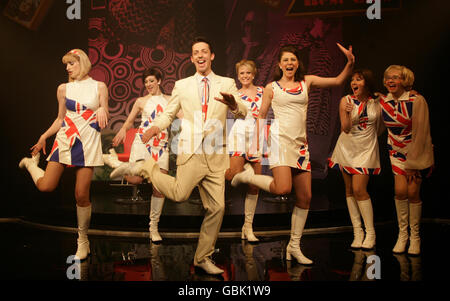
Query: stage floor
x,y
35,254
39,239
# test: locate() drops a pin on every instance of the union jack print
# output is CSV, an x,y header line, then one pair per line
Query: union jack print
x,y
354,170
84,112
362,113
303,161
254,103
294,91
158,144
253,159
397,116
76,117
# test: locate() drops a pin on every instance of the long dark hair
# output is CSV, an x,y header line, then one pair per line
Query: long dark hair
x,y
300,73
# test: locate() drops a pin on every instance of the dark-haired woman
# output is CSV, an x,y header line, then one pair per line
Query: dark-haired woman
x,y
149,106
289,156
356,153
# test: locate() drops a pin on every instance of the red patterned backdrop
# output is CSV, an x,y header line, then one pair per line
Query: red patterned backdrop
x,y
125,37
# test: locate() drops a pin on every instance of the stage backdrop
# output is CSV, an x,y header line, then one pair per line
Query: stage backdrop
x,y
125,37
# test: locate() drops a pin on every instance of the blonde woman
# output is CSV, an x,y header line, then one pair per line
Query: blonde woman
x,y
82,113
240,139
406,118
289,155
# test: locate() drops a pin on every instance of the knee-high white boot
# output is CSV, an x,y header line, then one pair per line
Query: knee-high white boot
x,y
84,220
249,212
402,208
156,206
365,207
298,221
248,177
127,168
111,159
355,217
415,213
31,164
120,171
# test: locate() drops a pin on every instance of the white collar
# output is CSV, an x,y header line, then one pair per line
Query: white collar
x,y
403,97
200,77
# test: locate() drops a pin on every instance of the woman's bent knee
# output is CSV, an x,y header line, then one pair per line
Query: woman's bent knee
x,y
43,186
282,190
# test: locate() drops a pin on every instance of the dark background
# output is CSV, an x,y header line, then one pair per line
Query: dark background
x,y
30,63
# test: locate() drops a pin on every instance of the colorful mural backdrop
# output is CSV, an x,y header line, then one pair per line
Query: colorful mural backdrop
x,y
128,36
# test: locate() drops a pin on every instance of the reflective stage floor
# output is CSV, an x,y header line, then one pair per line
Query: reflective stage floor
x,y
39,236
29,253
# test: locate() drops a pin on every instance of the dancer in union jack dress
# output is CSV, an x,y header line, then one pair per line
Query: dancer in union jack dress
x,y
406,118
289,155
149,106
356,153
82,113
240,139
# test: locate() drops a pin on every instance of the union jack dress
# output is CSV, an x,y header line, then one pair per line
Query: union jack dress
x,y
241,134
357,152
288,141
397,116
157,147
78,141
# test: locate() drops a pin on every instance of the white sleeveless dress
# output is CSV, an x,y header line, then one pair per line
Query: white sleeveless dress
x,y
288,141
357,152
78,141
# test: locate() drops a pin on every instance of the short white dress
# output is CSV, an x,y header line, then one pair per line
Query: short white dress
x,y
78,141
157,147
287,140
241,134
357,152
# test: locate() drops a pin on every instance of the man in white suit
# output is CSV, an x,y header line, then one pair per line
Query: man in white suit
x,y
202,158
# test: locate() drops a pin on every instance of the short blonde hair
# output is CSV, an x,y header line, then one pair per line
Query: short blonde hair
x,y
247,63
407,76
82,58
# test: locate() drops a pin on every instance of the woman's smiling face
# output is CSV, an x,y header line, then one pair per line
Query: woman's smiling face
x,y
393,82
358,85
288,64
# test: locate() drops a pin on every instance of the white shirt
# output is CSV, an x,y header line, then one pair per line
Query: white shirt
x,y
199,78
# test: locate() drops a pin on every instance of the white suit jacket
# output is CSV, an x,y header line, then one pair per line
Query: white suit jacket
x,y
197,136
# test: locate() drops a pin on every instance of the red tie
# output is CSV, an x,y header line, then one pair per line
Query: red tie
x,y
205,97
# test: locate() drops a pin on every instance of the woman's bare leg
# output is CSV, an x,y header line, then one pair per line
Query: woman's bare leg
x,y
52,175
236,166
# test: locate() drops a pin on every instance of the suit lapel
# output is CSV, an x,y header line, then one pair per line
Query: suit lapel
x,y
193,96
214,91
